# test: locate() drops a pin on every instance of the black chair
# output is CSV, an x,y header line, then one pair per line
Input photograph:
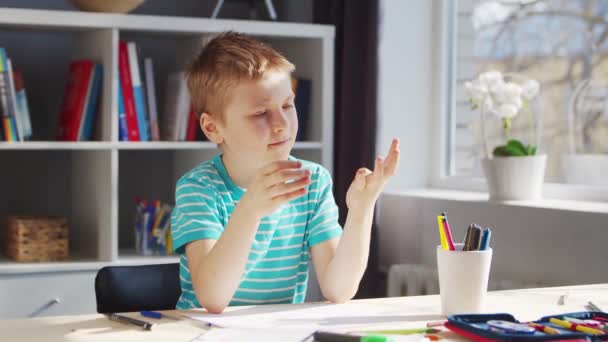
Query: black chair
x,y
136,288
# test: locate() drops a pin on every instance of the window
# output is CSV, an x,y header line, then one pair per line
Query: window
x,y
561,43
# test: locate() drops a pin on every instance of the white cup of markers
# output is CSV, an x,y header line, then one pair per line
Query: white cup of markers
x,y
463,268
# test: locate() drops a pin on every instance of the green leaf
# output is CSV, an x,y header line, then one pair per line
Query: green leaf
x,y
517,147
531,150
501,151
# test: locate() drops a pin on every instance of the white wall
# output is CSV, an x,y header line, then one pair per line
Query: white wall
x,y
405,95
532,245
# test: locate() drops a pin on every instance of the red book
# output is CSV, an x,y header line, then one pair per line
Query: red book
x,y
127,91
74,98
192,125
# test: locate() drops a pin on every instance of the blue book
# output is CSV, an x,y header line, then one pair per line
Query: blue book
x,y
138,93
302,103
91,105
123,133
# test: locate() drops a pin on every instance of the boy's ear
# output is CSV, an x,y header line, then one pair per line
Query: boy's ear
x,y
210,128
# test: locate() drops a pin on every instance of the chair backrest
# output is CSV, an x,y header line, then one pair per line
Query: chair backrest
x,y
136,288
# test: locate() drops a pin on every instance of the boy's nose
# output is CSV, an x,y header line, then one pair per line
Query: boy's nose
x,y
279,123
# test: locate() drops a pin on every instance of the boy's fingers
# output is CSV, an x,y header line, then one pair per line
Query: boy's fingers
x,y
281,164
378,168
284,188
289,196
284,175
392,161
360,177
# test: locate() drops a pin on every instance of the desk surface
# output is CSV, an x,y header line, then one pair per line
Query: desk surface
x,y
527,304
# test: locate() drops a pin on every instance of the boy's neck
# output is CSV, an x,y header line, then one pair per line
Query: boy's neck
x,y
241,176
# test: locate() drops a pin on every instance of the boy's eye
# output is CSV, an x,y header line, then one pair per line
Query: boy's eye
x,y
260,113
288,106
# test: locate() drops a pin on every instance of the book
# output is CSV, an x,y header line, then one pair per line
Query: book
x,y
127,91
123,133
7,125
177,104
151,97
74,99
22,105
88,120
12,101
192,124
138,92
302,90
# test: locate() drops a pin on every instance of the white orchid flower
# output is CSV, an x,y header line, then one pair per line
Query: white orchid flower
x,y
476,91
487,104
515,101
491,78
506,111
530,89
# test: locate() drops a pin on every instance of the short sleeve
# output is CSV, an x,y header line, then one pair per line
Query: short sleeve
x,y
195,215
324,223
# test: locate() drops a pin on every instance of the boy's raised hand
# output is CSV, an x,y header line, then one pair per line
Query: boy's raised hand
x,y
367,185
275,184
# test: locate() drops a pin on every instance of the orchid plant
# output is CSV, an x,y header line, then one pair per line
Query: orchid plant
x,y
493,94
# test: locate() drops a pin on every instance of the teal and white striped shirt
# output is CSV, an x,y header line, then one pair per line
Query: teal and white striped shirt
x,y
277,270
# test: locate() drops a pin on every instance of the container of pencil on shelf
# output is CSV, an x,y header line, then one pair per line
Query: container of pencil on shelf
x,y
152,228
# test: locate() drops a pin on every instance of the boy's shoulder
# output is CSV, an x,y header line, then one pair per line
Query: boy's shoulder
x,y
204,174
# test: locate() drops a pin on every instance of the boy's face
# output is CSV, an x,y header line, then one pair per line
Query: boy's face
x,y
260,121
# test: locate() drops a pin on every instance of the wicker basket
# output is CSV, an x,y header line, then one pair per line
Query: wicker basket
x,y
37,238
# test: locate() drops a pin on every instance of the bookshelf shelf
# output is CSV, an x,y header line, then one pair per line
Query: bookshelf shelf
x,y
94,183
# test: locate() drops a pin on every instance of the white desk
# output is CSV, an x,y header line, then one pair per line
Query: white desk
x,y
406,312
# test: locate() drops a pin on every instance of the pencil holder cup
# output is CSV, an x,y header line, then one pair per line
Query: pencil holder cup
x,y
463,279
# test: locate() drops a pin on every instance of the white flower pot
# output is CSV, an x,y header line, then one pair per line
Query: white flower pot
x,y
515,178
586,169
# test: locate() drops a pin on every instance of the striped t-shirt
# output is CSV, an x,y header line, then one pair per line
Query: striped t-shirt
x,y
277,270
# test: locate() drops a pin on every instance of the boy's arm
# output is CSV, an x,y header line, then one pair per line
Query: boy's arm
x,y
216,266
340,262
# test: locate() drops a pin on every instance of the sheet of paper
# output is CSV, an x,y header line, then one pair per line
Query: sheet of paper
x,y
319,316
277,335
266,335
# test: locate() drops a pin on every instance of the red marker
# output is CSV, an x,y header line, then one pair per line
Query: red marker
x,y
448,232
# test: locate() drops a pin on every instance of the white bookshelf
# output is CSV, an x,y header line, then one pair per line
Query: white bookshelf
x,y
94,183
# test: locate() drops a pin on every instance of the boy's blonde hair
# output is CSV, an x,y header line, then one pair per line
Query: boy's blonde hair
x,y
225,60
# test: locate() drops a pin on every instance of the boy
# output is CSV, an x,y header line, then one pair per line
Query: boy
x,y
246,222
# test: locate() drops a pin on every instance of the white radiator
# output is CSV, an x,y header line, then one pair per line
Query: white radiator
x,y
417,279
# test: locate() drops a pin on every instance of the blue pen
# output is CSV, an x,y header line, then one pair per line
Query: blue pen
x,y
485,239
151,314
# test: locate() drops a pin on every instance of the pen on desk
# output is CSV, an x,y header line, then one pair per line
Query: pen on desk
x,y
323,336
576,327
594,307
398,331
544,328
159,315
128,320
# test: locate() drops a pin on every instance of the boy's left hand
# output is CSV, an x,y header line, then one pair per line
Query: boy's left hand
x,y
367,185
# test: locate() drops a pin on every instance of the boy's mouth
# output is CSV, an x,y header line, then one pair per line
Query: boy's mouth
x,y
279,143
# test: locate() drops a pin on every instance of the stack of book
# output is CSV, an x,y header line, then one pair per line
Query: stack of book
x,y
137,114
15,123
153,228
79,106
